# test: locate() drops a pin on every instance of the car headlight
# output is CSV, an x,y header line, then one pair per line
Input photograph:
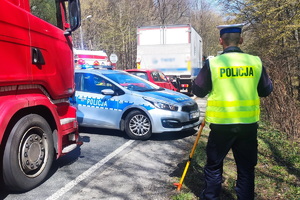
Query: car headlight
x,y
162,105
165,106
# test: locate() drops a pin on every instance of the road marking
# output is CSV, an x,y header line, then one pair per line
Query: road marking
x,y
88,172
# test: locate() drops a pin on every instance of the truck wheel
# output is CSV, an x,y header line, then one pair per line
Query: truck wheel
x,y
178,84
190,88
28,153
138,125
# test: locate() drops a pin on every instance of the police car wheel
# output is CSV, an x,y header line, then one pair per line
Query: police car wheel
x,y
28,153
138,125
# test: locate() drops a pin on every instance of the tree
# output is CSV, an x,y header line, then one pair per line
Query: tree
x,y
205,20
171,11
272,29
114,22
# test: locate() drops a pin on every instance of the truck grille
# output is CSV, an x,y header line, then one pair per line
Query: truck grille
x,y
190,108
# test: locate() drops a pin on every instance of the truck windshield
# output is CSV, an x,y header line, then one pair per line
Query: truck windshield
x,y
46,10
132,82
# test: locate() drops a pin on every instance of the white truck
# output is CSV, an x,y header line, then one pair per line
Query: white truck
x,y
176,50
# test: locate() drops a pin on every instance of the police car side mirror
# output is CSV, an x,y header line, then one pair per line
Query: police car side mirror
x,y
107,92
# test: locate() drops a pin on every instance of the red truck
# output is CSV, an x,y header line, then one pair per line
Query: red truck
x,y
37,123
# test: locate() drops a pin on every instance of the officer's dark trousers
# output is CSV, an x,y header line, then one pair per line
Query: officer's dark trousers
x,y
242,139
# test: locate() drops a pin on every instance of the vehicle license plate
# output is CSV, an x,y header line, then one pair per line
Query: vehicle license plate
x,y
194,115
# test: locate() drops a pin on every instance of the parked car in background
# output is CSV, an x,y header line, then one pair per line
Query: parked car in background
x,y
118,100
154,76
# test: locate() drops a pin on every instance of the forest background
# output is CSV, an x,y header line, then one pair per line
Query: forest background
x,y
272,32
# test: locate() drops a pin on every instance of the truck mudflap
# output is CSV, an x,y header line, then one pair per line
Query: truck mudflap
x,y
70,135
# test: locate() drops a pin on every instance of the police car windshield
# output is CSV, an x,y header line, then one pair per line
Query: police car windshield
x,y
132,82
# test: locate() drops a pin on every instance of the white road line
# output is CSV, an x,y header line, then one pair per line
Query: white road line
x,y
88,172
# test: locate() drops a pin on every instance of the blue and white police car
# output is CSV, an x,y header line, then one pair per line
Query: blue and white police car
x,y
115,99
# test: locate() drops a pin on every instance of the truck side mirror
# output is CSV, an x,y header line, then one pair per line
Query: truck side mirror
x,y
74,14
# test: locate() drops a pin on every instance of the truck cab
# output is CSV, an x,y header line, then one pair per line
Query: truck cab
x,y
37,122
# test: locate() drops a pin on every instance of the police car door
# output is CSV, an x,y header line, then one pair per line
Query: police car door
x,y
93,108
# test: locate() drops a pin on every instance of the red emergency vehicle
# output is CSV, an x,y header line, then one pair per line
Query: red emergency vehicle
x,y
37,123
85,59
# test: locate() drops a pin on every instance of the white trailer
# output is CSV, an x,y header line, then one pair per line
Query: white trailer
x,y
176,50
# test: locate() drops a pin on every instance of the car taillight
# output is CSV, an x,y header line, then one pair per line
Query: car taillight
x,y
81,62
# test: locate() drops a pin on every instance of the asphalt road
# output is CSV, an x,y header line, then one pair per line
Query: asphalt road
x,y
110,166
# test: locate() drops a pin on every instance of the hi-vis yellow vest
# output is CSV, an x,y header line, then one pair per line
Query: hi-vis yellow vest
x,y
234,98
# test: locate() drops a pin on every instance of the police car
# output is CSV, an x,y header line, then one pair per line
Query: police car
x,y
115,99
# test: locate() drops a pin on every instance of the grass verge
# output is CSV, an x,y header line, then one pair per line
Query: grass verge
x,y
277,171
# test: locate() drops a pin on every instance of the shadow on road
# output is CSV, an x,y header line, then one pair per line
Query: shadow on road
x,y
102,131
172,135
155,136
3,193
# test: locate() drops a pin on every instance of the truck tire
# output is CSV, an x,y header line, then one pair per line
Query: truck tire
x,y
138,125
28,153
190,88
178,84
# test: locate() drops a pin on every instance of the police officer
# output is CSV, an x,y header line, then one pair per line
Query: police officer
x,y
234,81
